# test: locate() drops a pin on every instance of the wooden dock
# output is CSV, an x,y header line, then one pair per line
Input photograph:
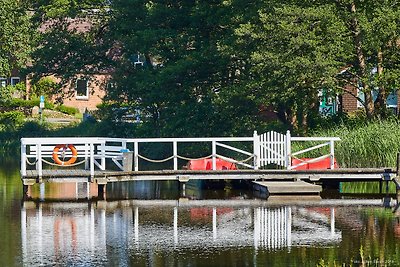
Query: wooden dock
x,y
106,160
286,187
341,175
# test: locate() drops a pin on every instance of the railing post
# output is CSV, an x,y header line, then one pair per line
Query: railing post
x,y
91,161
288,150
103,155
175,152
256,150
136,155
332,156
87,155
23,158
214,154
39,165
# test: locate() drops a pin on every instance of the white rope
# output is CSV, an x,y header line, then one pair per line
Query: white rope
x,y
70,165
30,163
186,158
155,160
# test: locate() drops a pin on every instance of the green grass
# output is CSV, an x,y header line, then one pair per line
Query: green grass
x,y
373,144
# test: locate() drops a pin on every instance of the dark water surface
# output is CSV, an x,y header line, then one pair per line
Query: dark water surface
x,y
149,224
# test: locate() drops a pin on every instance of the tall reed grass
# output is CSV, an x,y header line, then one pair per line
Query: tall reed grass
x,y
372,144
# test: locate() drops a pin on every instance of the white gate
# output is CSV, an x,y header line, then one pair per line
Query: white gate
x,y
274,149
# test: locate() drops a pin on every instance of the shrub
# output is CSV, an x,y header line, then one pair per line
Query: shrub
x,y
67,110
11,120
46,86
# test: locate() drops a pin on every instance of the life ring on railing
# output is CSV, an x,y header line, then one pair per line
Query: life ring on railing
x,y
57,159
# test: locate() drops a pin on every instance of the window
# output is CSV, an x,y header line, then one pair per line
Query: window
x,y
82,91
3,82
391,100
15,80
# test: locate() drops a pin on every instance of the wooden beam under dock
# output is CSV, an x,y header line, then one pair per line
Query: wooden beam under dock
x,y
340,175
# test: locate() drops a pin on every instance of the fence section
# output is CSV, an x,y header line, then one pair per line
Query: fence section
x,y
257,151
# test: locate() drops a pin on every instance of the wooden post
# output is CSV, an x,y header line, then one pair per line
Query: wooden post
x,y
214,154
332,154
136,155
127,161
175,152
39,165
91,162
396,179
288,150
103,155
23,158
26,190
256,150
101,190
87,154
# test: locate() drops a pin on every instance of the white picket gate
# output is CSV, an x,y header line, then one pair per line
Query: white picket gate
x,y
273,149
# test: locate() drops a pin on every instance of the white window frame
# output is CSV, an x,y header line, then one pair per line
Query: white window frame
x,y
82,97
1,81
13,79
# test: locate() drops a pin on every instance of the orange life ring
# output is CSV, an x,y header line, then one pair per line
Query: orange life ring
x,y
64,148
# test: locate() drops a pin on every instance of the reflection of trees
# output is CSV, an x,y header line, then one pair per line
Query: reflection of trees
x,y
368,238
10,195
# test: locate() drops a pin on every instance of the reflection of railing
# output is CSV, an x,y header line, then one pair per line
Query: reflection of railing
x,y
273,227
277,228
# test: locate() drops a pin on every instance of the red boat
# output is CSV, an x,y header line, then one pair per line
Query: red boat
x,y
206,164
318,165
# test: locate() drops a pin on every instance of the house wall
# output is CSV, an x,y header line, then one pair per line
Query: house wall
x,y
96,86
349,102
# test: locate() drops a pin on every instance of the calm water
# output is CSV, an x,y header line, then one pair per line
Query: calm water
x,y
148,224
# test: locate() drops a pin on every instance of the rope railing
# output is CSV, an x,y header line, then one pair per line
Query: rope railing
x,y
155,160
69,165
186,158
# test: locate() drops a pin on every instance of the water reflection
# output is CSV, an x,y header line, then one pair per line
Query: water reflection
x,y
82,233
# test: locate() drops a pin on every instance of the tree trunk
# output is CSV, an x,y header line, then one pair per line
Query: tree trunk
x,y
362,68
380,103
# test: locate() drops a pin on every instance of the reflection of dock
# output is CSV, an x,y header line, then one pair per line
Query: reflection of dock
x,y
54,231
82,233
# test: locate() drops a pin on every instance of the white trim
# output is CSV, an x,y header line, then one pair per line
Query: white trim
x,y
15,78
82,97
1,81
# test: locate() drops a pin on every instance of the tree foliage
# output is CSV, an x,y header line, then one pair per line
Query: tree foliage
x,y
16,36
185,71
223,67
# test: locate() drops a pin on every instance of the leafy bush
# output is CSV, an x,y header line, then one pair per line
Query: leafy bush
x,y
11,120
67,110
46,86
17,102
7,93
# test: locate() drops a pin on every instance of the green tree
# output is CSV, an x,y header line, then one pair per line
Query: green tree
x,y
185,72
374,28
16,36
71,39
296,49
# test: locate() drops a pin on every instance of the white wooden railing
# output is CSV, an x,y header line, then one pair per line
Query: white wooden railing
x,y
94,151
262,151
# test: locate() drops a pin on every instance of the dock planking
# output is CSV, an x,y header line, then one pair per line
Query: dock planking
x,y
286,187
340,175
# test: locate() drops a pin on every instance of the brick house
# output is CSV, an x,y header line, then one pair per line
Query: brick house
x,y
348,103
